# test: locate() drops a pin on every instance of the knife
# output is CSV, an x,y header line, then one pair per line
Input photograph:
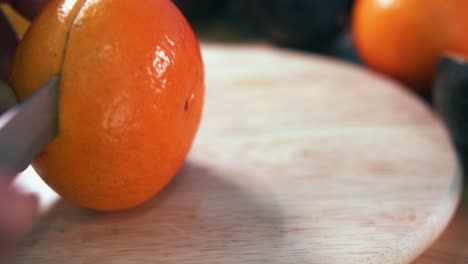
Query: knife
x,y
26,128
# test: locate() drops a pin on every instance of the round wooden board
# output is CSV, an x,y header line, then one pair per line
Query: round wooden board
x,y
299,159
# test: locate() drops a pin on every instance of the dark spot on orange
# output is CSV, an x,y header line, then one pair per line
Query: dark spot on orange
x,y
186,105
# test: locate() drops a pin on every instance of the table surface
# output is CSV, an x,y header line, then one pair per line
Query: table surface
x,y
452,246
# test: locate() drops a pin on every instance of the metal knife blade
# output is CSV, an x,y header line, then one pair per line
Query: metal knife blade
x,y
28,127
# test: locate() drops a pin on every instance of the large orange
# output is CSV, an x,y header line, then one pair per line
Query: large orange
x,y
404,38
131,96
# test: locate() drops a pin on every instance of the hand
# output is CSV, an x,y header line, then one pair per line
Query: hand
x,y
18,211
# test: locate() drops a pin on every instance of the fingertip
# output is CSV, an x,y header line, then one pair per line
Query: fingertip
x,y
18,213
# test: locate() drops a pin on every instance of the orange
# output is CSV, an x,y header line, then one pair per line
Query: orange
x,y
404,38
131,96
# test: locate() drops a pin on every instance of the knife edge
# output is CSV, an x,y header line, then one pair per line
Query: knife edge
x,y
28,127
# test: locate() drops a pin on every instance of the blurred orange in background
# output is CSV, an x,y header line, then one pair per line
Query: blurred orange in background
x,y
404,39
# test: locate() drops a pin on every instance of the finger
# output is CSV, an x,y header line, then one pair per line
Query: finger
x,y
18,212
28,8
7,46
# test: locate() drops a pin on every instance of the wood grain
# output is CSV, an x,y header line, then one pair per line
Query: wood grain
x,y
298,159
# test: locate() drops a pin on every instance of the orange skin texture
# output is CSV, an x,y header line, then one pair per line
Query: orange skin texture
x,y
405,38
131,97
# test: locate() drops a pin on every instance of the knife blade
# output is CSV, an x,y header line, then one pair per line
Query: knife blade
x,y
26,128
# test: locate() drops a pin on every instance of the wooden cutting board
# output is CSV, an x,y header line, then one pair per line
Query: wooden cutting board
x,y
299,159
